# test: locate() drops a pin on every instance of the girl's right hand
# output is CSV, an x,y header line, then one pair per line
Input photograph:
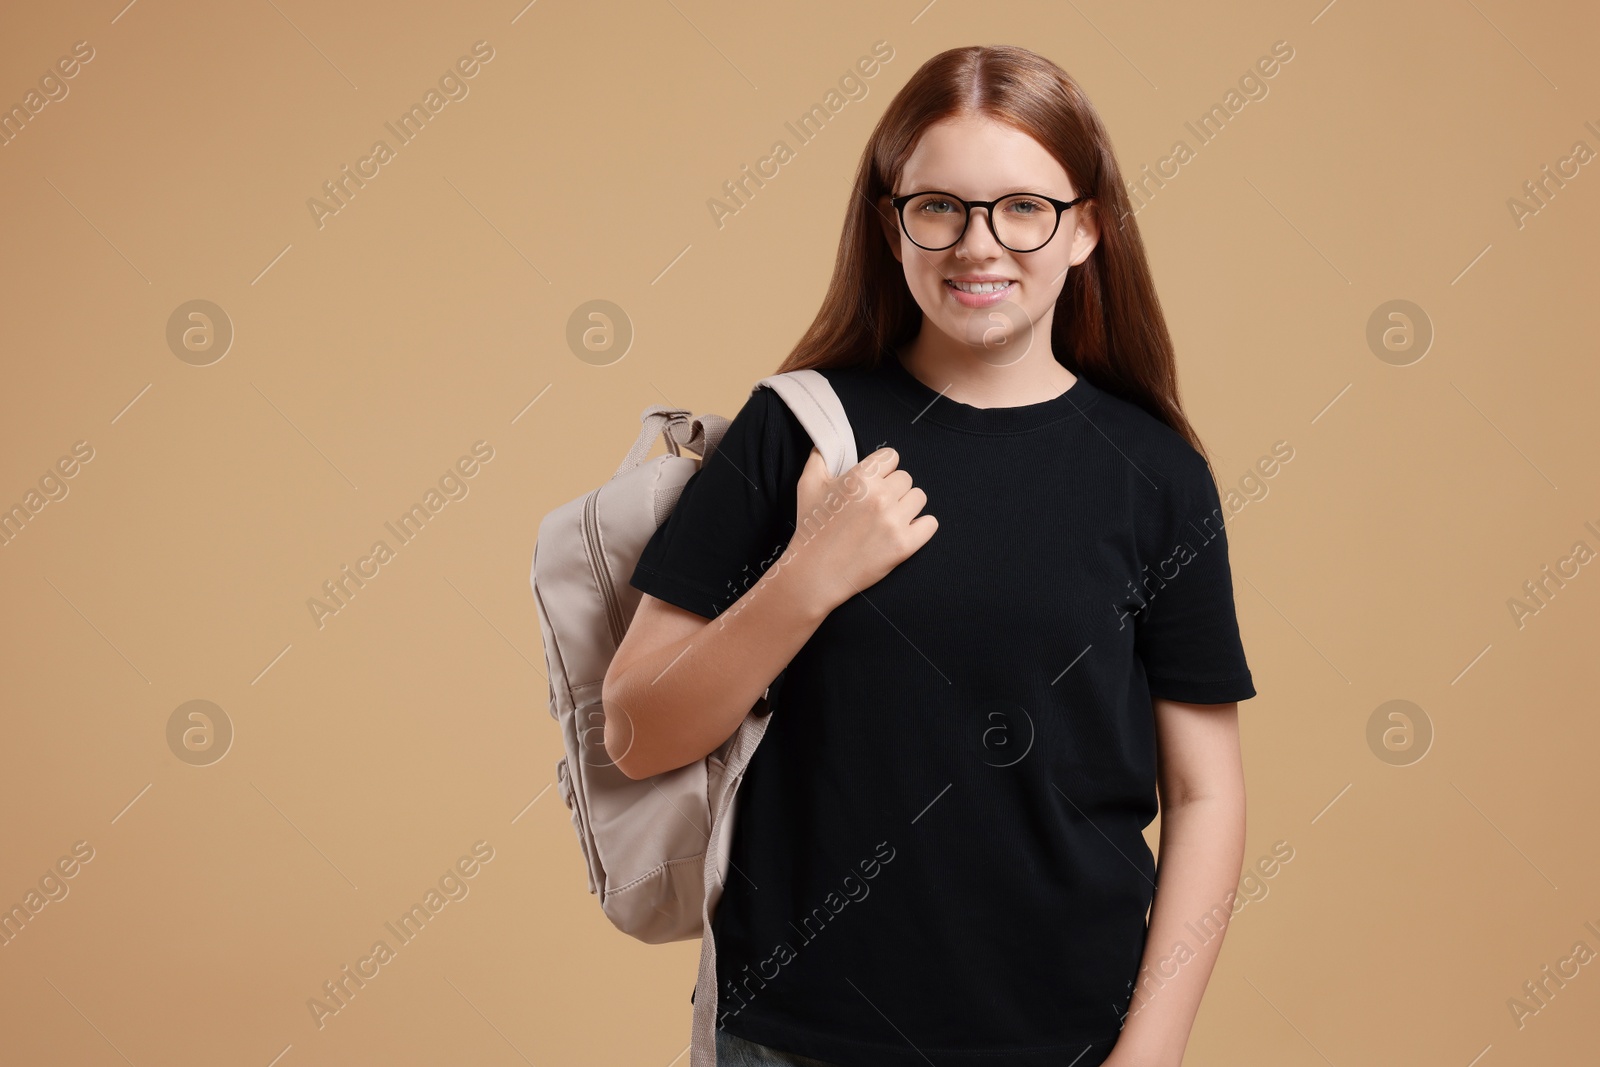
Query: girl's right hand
x,y
852,530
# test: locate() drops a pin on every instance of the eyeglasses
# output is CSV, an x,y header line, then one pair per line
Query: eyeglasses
x,y
1021,222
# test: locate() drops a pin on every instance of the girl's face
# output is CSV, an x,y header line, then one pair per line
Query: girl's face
x,y
977,158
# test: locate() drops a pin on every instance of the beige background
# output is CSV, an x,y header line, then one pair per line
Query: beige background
x,y
369,354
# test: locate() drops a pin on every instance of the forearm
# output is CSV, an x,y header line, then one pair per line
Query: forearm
x,y
677,703
1202,851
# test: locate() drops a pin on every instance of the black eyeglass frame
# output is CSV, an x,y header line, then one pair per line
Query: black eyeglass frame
x,y
1061,206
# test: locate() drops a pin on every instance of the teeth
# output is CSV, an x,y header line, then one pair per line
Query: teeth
x,y
980,287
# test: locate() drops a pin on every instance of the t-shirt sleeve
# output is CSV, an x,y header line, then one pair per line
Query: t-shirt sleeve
x,y
1188,633
735,514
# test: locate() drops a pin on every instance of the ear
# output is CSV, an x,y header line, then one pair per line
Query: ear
x,y
1086,232
890,224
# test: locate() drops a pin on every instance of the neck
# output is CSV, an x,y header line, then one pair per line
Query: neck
x,y
987,377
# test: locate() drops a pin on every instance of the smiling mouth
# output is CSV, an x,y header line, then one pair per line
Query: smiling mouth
x,y
980,288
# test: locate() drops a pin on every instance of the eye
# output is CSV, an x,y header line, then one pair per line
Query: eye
x,y
1026,207
936,206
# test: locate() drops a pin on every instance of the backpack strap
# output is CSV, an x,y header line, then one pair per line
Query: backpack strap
x,y
682,429
817,406
808,395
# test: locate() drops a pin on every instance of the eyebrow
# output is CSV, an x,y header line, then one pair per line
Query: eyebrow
x,y
1026,188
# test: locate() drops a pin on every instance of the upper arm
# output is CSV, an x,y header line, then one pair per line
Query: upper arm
x,y
1197,751
732,517
1187,629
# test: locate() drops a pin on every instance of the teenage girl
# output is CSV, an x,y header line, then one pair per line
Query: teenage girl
x,y
1000,642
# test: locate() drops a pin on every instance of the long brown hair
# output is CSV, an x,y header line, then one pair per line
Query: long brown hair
x,y
1108,325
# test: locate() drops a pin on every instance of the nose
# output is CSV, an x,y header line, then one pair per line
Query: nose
x,y
979,240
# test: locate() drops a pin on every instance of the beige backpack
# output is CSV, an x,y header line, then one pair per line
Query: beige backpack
x,y
645,843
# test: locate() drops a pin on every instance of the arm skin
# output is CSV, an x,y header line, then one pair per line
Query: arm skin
x,y
679,684
1201,781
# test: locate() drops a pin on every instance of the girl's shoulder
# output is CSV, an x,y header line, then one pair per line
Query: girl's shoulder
x,y
1147,440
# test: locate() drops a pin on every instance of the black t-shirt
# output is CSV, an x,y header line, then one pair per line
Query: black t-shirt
x,y
938,852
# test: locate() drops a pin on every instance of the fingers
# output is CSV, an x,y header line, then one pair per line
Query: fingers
x,y
880,463
908,510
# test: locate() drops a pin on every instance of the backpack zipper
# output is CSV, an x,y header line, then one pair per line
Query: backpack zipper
x,y
597,563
